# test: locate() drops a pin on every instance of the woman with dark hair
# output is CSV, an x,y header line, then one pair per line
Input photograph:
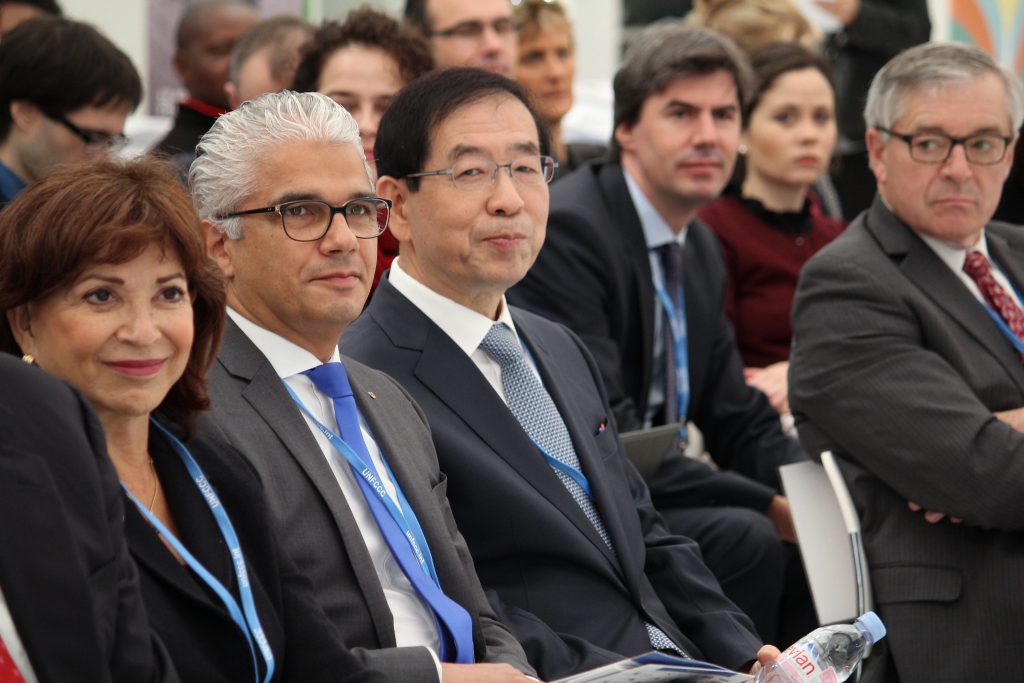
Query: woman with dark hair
x,y
361,64
775,223
104,282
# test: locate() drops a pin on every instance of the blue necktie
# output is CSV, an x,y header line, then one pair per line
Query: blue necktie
x,y
538,415
457,631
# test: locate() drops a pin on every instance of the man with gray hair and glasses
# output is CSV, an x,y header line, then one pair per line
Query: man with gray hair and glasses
x,y
909,339
345,457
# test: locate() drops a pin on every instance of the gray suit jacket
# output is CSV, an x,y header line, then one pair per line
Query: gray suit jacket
x,y
253,412
899,369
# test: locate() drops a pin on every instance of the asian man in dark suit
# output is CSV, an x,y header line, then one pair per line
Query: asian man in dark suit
x,y
559,522
907,365
290,215
67,581
602,273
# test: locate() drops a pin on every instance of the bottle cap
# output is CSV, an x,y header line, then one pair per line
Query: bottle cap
x,y
872,626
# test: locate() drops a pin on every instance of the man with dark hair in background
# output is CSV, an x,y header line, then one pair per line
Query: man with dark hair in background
x,y
477,33
14,13
65,91
207,33
266,57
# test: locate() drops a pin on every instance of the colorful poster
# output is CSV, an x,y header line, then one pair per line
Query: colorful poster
x,y
994,26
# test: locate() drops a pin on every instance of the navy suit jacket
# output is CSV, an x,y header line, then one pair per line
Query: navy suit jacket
x,y
594,276
531,542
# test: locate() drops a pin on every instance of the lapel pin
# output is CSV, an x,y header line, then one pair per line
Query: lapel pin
x,y
372,395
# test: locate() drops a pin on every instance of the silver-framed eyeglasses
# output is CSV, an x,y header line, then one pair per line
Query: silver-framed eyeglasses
x,y
983,149
308,220
482,174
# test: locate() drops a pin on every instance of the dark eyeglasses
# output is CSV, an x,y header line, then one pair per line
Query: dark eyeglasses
x,y
308,220
983,149
92,138
474,30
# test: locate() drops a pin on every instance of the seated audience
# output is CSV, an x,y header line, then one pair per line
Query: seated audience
x,y
622,246
440,326
477,33
105,283
290,216
774,223
65,92
361,64
70,607
547,65
906,364
207,33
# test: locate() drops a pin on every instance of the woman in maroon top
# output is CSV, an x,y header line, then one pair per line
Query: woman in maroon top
x,y
774,224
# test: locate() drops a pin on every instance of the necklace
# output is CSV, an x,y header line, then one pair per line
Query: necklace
x,y
156,484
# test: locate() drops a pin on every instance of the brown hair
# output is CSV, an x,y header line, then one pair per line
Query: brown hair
x,y
107,210
753,23
535,17
369,28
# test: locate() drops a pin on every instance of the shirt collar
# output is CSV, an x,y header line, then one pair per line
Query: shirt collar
x,y
466,327
11,184
954,256
286,357
656,230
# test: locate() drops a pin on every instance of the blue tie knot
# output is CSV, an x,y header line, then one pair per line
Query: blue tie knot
x,y
501,345
331,379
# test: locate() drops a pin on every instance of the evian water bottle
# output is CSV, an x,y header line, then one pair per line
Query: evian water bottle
x,y
826,655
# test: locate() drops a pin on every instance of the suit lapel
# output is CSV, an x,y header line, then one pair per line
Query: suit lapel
x,y
942,286
265,392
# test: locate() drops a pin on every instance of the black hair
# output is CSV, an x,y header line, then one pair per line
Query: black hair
x,y
60,65
415,15
404,135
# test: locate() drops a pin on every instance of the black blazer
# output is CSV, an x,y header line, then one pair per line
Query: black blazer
x,y
899,370
594,276
531,542
204,642
69,583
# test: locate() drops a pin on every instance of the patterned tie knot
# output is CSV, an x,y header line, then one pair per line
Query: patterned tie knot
x,y
976,265
331,379
501,345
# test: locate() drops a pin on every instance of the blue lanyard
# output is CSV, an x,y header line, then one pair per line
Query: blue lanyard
x,y
677,321
409,525
249,623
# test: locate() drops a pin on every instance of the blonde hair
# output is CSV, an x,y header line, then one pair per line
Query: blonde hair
x,y
753,23
539,16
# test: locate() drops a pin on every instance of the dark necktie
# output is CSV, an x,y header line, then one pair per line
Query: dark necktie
x,y
672,265
457,631
978,267
538,415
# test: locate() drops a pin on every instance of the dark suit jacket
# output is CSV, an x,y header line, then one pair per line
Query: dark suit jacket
x,y
253,412
898,369
189,126
594,276
204,642
530,540
69,583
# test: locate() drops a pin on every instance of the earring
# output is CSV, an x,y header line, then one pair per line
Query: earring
x,y
29,358
742,150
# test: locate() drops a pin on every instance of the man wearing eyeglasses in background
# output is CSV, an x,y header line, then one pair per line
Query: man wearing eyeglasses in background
x,y
477,33
65,92
560,525
287,201
907,364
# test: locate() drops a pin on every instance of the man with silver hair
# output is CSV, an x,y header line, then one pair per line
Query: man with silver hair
x,y
909,336
345,457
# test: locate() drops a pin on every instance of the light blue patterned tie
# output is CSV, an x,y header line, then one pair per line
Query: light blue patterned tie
x,y
533,408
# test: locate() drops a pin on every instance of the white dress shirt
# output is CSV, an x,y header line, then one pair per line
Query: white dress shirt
x,y
954,257
466,327
414,621
15,648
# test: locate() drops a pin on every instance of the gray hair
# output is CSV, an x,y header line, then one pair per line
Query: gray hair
x,y
223,174
931,67
668,50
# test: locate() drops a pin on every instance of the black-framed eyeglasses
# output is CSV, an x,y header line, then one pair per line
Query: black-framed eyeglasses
x,y
92,138
482,174
308,220
983,149
474,30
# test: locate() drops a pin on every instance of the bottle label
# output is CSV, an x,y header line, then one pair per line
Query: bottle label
x,y
801,665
